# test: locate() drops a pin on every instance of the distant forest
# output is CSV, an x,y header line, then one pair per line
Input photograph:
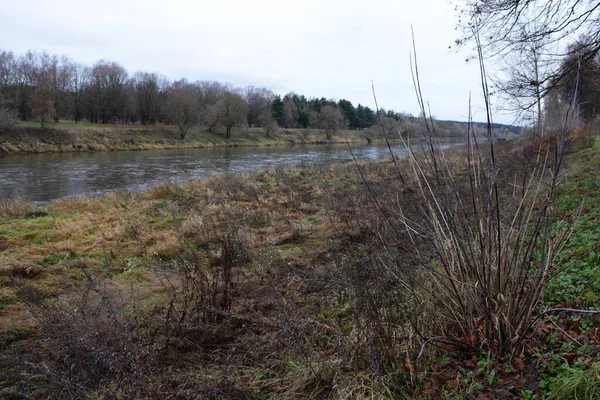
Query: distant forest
x,y
43,87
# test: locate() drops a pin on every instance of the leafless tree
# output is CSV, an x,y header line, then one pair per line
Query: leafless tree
x,y
331,119
27,71
537,30
182,107
41,102
290,113
519,83
259,101
147,97
503,25
267,122
209,92
578,87
108,80
80,80
7,71
233,111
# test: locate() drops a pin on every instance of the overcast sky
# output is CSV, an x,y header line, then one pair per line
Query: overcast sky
x,y
326,48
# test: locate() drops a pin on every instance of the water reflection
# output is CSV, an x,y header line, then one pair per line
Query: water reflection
x,y
47,177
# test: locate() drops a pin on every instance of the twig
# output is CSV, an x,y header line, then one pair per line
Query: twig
x,y
571,310
433,339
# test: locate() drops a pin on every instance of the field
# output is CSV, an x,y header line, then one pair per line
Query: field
x,y
293,283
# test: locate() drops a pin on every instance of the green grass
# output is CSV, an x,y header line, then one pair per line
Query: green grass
x,y
578,280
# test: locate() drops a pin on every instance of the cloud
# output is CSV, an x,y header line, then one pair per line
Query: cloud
x,y
327,49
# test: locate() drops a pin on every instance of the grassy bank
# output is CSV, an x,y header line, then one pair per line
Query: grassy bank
x,y
290,283
70,137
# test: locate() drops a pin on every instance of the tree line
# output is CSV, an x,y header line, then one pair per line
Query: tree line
x,y
43,87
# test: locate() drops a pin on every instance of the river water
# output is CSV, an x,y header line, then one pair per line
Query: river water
x,y
42,178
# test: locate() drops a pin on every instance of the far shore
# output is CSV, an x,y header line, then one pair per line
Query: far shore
x,y
85,137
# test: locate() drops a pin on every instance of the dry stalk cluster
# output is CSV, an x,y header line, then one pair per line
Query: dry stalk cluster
x,y
109,340
461,250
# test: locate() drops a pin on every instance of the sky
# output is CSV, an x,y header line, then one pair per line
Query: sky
x,y
326,48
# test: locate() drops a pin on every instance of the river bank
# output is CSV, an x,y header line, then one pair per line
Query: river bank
x,y
288,283
70,137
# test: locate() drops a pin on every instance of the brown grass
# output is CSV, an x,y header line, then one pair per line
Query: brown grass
x,y
284,284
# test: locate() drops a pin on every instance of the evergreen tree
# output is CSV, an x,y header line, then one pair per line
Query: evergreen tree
x,y
277,109
349,112
365,117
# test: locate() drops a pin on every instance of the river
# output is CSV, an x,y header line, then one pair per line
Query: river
x,y
43,178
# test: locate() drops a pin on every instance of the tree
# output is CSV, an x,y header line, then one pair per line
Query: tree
x,y
259,101
349,112
182,107
277,109
503,25
209,92
26,75
530,29
7,118
365,117
267,122
331,119
7,71
521,86
232,111
108,80
290,113
41,102
80,79
578,82
147,97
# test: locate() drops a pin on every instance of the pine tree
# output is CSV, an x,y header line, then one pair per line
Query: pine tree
x,y
277,109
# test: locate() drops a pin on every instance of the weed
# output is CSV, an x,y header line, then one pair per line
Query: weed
x,y
16,207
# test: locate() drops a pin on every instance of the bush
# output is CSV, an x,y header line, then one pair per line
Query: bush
x,y
7,118
462,254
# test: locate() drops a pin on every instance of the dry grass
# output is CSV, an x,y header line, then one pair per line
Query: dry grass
x,y
16,207
284,284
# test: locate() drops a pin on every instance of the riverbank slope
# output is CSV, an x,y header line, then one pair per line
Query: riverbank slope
x,y
70,137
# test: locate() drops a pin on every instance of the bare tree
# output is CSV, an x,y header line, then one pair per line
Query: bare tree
x,y
41,102
520,82
7,71
259,100
539,31
503,25
290,113
577,87
182,107
147,97
80,79
233,111
108,81
331,119
27,71
267,122
209,92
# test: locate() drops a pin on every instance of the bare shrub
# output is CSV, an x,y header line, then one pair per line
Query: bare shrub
x,y
7,117
464,252
203,288
100,340
113,342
